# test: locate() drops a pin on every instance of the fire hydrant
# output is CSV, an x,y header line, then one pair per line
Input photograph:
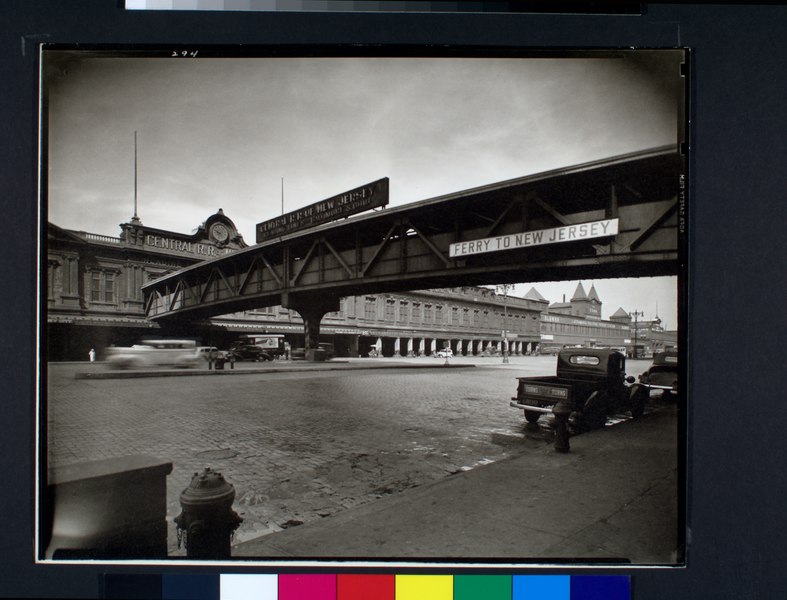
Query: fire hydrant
x,y
562,411
207,522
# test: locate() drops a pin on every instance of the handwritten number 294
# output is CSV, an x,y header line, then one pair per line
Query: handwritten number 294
x,y
184,53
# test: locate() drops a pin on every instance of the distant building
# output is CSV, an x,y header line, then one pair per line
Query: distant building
x,y
94,300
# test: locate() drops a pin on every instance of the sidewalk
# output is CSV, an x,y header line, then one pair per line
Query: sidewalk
x,y
612,499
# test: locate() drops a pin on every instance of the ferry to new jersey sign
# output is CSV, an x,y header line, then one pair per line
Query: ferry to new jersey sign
x,y
540,237
366,197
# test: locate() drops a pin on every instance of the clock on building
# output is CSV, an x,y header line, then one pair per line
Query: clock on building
x,y
219,233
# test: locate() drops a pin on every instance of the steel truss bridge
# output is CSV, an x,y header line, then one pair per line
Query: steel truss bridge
x,y
409,247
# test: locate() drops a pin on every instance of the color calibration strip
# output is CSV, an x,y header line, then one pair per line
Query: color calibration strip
x,y
419,6
367,587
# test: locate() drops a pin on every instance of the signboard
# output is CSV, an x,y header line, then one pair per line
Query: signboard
x,y
182,246
540,237
369,196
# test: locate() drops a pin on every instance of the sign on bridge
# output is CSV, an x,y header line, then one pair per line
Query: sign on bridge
x,y
554,235
369,196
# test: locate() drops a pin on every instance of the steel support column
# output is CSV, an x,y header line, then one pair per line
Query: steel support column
x,y
311,310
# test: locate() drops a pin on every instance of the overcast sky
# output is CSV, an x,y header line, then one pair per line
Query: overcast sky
x,y
222,133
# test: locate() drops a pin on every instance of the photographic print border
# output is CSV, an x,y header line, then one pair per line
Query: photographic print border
x,y
729,162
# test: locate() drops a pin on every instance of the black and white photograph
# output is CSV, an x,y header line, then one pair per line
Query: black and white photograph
x,y
359,305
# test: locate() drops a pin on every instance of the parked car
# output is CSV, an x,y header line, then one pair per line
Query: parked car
x,y
590,382
250,352
155,353
444,353
662,375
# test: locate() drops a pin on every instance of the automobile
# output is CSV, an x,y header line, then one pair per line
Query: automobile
x,y
662,375
326,348
444,353
591,383
250,352
204,352
155,353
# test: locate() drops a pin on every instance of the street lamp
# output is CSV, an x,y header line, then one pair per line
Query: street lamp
x,y
635,315
504,287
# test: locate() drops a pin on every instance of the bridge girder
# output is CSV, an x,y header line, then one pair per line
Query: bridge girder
x,y
407,248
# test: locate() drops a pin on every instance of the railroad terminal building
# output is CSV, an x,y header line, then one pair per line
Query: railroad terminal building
x,y
94,300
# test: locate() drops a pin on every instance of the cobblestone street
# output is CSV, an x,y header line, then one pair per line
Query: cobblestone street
x,y
297,446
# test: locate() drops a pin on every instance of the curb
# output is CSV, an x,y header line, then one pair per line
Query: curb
x,y
291,369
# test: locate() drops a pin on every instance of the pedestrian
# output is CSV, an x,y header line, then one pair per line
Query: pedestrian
x,y
212,356
92,355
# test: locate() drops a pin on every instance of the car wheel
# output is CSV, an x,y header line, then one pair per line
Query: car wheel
x,y
532,416
637,398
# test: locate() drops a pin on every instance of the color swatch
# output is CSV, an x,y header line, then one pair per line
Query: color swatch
x,y
322,586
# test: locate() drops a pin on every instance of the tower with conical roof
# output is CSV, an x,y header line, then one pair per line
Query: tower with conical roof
x,y
586,305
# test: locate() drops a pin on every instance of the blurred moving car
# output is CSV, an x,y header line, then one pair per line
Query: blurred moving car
x,y
156,353
205,351
444,353
249,352
662,376
326,349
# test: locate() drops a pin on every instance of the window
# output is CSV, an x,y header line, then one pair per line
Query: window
x,y
416,312
390,310
403,311
370,308
102,287
427,313
584,360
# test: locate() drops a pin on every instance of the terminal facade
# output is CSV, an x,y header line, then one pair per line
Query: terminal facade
x,y
94,301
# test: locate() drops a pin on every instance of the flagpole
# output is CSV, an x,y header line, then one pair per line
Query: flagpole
x,y
135,218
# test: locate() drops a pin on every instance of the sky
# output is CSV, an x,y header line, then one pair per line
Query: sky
x,y
250,135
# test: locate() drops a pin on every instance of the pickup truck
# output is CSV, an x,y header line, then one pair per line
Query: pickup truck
x,y
591,383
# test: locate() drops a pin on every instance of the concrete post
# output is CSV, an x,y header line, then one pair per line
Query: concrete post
x,y
109,509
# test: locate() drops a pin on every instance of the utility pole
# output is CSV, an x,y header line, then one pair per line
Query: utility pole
x,y
635,315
